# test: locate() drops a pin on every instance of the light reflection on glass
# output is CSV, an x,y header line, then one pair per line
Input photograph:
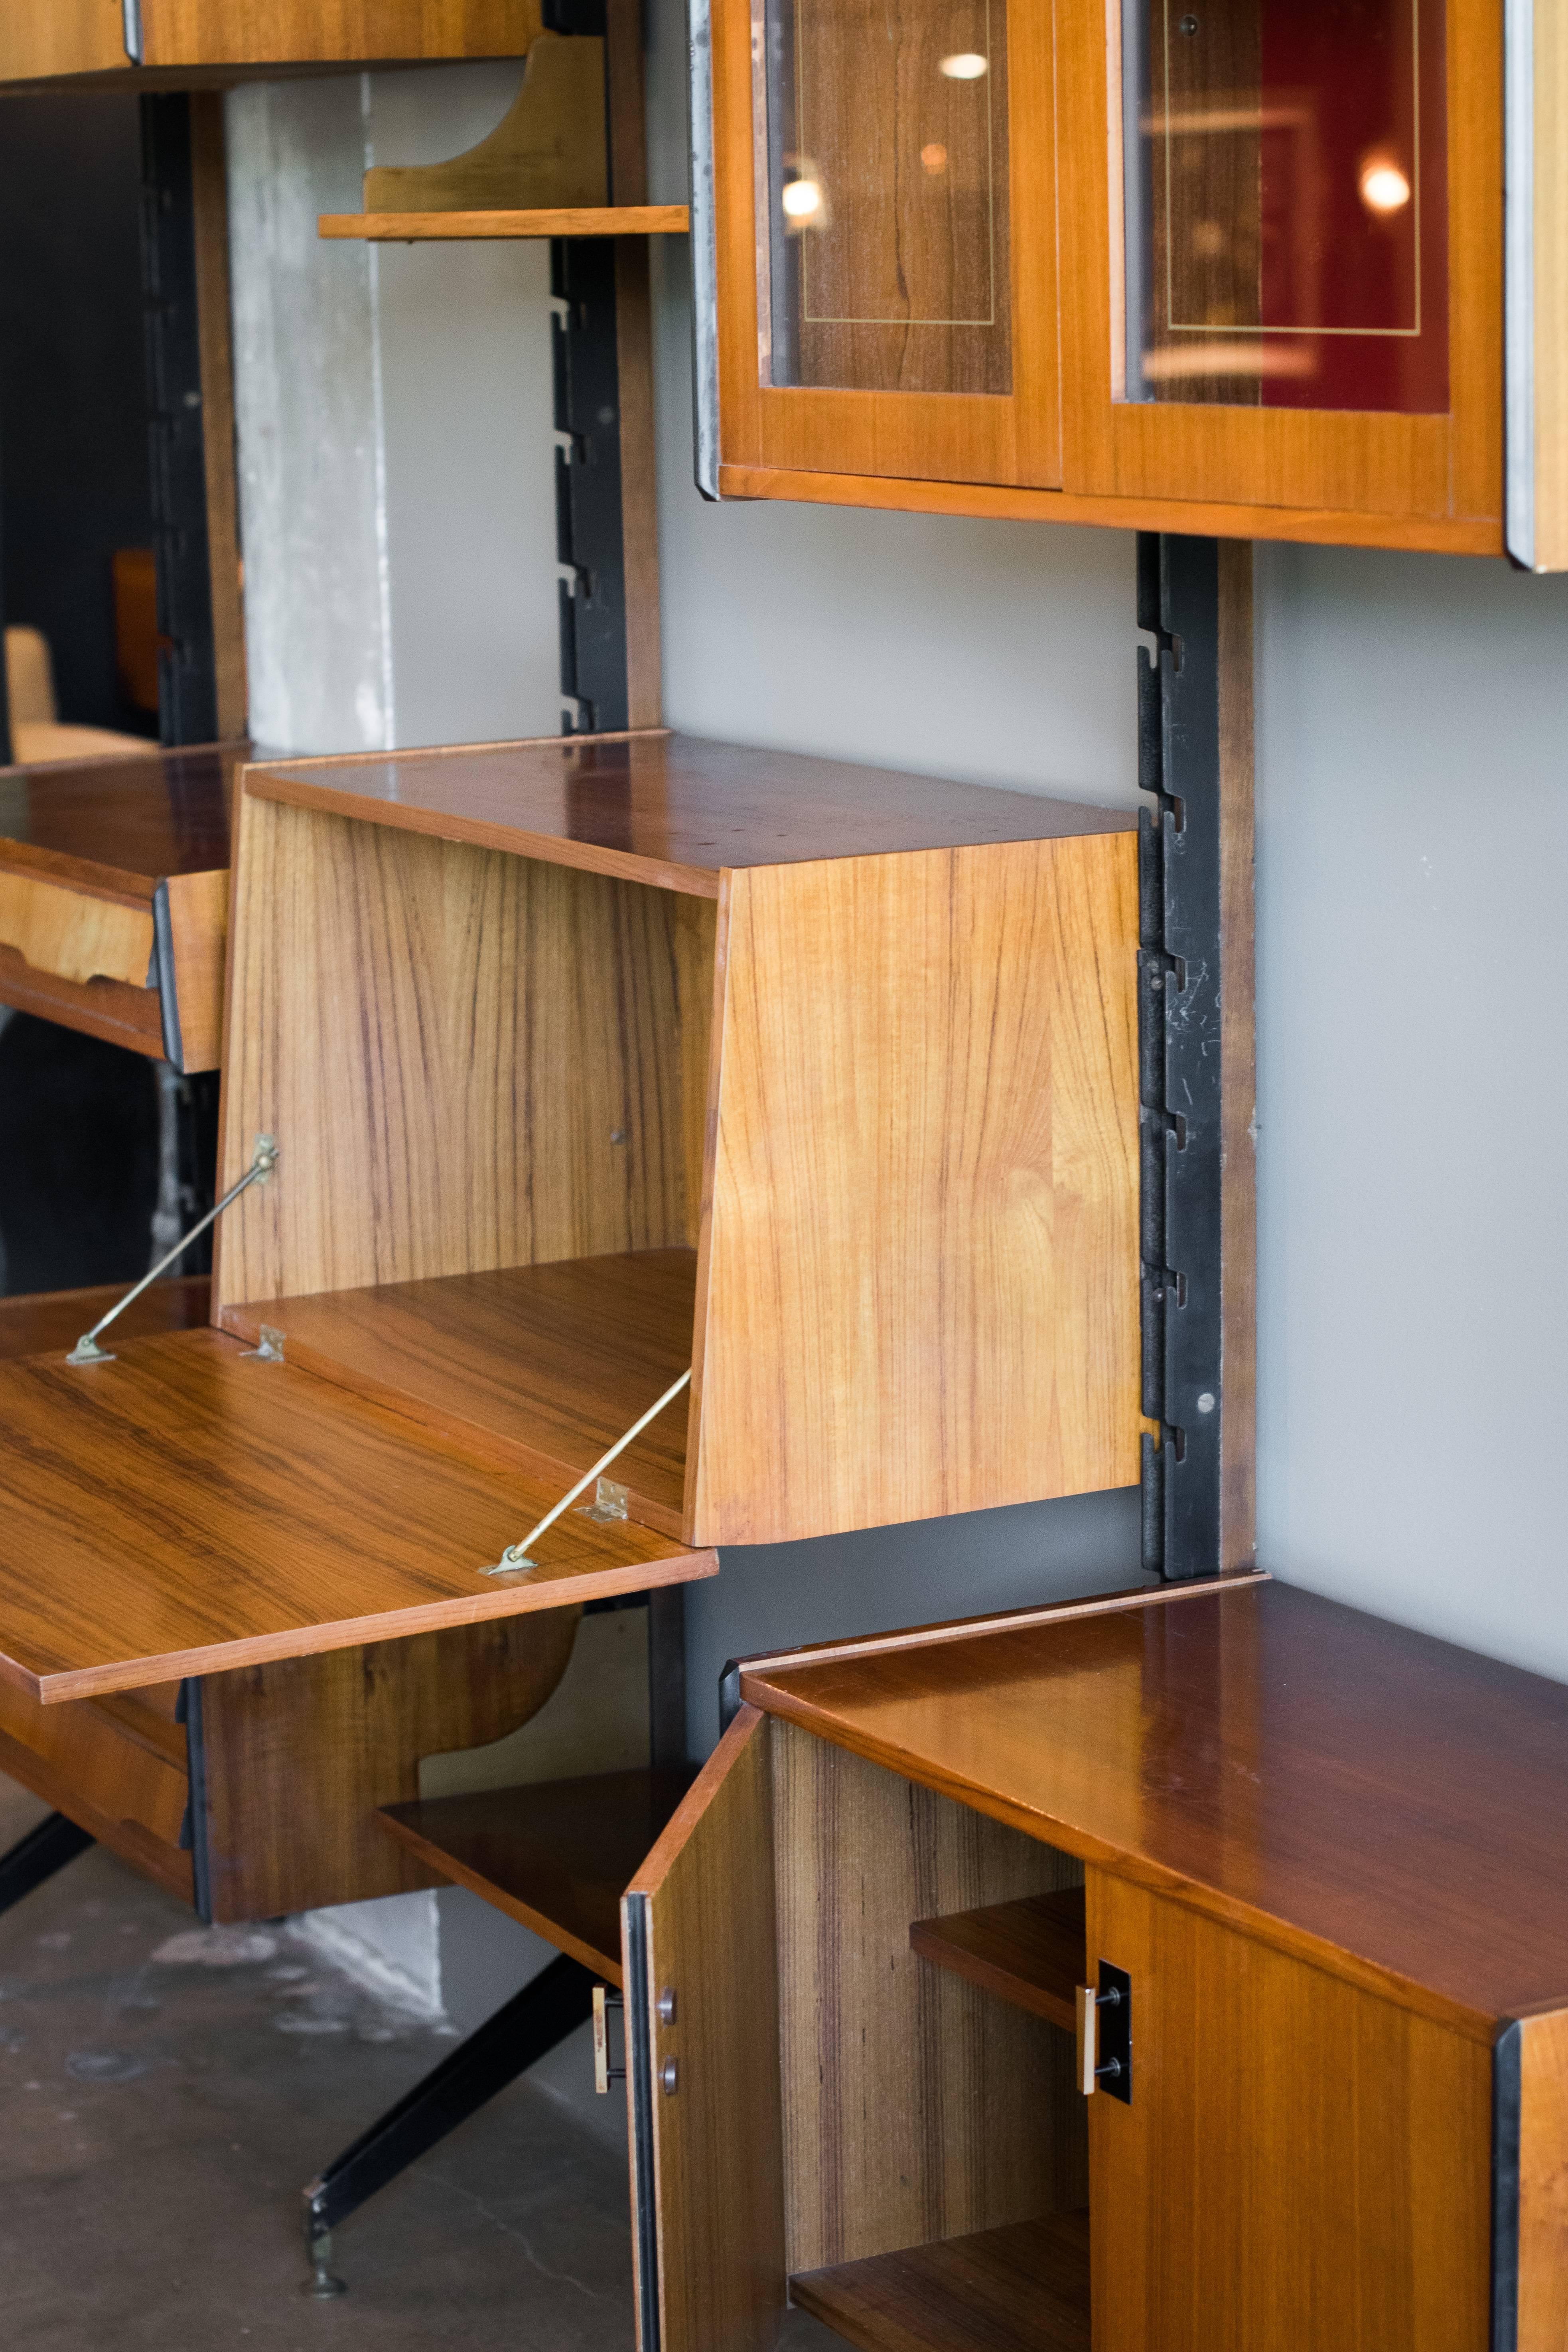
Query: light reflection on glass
x,y
1285,211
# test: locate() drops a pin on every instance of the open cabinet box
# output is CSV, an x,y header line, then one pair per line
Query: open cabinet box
x,y
592,1060
1272,1841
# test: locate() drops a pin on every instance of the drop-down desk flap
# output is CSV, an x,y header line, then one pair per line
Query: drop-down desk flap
x,y
190,1506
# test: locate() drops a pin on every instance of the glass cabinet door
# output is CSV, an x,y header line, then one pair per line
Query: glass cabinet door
x,y
1286,204
1282,271
886,250
884,266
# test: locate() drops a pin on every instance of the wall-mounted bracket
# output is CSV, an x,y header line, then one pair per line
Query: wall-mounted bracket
x,y
1195,1055
548,149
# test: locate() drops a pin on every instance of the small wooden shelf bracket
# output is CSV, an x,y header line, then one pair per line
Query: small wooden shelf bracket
x,y
548,151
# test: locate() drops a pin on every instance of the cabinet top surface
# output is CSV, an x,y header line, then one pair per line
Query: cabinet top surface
x,y
139,817
673,809
1348,1790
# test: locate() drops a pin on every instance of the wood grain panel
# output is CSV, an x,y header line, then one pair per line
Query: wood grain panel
x,y
1543,2308
185,1509
75,934
706,1892
1030,1952
554,1856
67,36
301,1753
321,31
466,227
118,826
675,811
97,1008
549,148
920,1268
50,1322
1353,1793
469,1060
915,2105
116,1760
545,1365
1355,2135
1160,510
209,196
1022,2289
1238,1072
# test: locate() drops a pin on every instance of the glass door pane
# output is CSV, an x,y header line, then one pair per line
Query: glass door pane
x,y
1286,205
883,260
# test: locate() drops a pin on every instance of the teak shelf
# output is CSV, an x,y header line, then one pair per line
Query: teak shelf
x,y
454,227
1024,2288
1030,1952
553,1855
1324,1851
114,897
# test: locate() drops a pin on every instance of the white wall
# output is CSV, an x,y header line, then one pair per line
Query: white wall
x,y
396,450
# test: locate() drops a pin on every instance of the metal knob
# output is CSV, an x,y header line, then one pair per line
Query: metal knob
x,y
665,2006
669,2076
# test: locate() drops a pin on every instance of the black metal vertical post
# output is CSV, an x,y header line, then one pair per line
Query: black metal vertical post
x,y
1180,1058
589,538
187,660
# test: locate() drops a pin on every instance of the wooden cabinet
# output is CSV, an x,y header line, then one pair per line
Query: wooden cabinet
x,y
114,898
1317,1849
590,1064
593,1060
60,38
1235,269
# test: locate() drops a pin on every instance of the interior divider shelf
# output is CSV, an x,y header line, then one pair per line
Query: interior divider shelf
x,y
554,1855
561,220
542,1365
1024,2288
1031,1953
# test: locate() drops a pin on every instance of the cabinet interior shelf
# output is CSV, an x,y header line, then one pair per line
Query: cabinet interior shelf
x,y
554,1855
561,220
541,1366
1024,2288
1031,1953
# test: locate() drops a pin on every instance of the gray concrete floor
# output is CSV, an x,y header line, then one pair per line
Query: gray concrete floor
x,y
161,2114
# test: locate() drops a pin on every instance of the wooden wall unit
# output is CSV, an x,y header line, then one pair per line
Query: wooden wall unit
x,y
216,39
1297,1831
984,207
817,1078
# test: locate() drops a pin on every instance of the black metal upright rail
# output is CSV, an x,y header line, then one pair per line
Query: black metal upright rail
x,y
590,540
187,654
1180,1092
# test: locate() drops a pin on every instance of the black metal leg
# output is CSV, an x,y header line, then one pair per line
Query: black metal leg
x,y
38,1856
558,2001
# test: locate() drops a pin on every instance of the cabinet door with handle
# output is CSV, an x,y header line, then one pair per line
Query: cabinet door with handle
x,y
1303,2166
702,2037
